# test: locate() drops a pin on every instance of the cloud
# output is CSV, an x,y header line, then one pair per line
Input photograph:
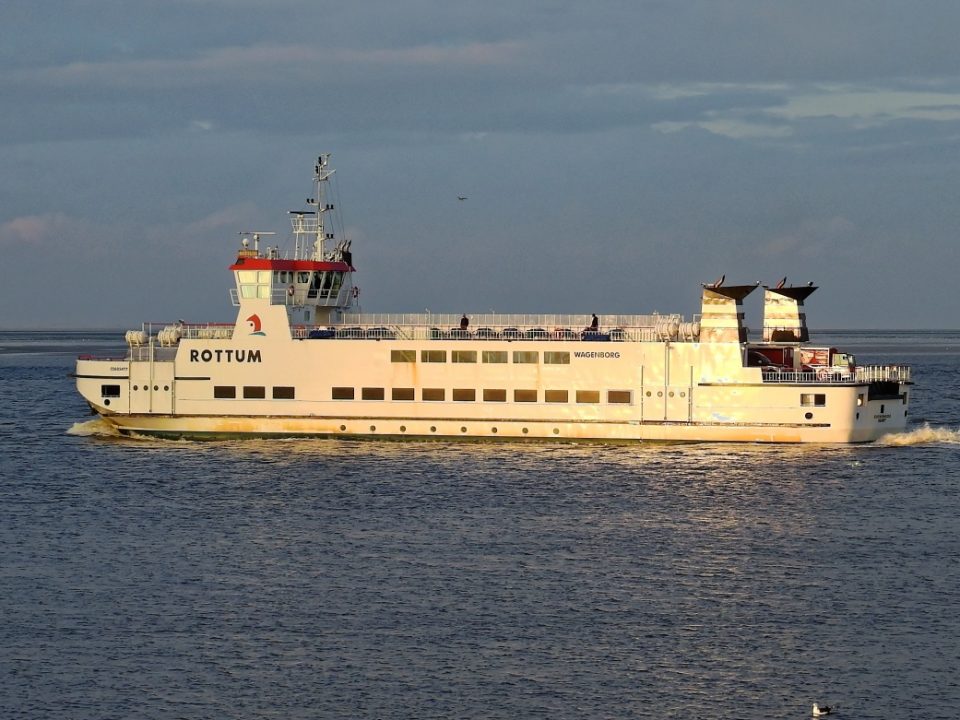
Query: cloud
x,y
37,230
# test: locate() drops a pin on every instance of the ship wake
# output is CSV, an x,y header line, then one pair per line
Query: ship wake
x,y
96,427
925,435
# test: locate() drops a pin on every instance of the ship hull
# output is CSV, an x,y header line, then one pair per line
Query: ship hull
x,y
492,429
690,392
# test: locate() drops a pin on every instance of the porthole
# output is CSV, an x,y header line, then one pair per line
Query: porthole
x,y
556,431
463,428
157,387
343,427
649,394
808,416
373,428
525,431
493,430
135,387
670,393
660,393
106,402
403,428
683,394
433,428
166,387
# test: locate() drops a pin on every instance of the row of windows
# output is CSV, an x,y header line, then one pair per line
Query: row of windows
x,y
530,357
253,392
614,397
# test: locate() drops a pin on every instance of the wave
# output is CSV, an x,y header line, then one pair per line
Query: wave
x,y
97,426
925,435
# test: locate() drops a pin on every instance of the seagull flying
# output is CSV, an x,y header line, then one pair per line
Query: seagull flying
x,y
461,197
781,283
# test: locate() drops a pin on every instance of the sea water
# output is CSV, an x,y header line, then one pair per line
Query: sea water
x,y
343,579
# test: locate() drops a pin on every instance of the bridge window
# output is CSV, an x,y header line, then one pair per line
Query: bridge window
x,y
342,393
464,395
402,394
371,393
400,356
494,356
283,393
588,396
433,394
463,356
525,396
555,396
621,397
254,392
224,392
556,358
494,395
433,356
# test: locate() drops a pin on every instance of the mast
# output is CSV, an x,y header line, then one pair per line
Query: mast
x,y
320,178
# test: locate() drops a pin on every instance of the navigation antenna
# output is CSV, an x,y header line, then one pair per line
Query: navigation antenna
x,y
320,178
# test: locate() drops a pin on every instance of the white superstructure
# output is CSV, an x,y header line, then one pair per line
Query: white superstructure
x,y
299,361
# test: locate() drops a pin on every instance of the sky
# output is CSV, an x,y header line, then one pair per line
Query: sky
x,y
615,154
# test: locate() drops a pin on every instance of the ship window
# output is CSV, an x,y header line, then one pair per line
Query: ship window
x,y
224,391
622,397
464,394
263,277
371,393
403,356
402,394
433,356
494,395
433,394
303,277
342,393
247,276
588,396
556,358
555,396
263,292
283,393
463,356
254,392
110,390
248,291
524,395
526,356
494,356
814,399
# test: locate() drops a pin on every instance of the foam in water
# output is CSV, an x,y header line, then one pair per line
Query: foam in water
x,y
97,426
925,435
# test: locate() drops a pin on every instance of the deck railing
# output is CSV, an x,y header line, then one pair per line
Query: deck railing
x,y
430,326
841,376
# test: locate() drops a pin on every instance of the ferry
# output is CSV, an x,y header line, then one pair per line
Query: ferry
x,y
302,360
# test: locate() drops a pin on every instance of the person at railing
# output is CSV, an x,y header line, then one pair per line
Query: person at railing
x,y
594,324
464,322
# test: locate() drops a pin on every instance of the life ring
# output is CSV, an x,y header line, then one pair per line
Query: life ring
x,y
290,291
